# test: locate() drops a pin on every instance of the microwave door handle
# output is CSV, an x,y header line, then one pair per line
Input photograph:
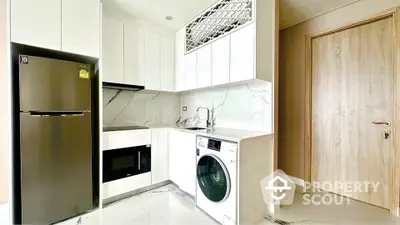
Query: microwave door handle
x,y
139,159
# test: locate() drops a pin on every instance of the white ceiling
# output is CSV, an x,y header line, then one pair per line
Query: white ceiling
x,y
155,11
292,12
182,11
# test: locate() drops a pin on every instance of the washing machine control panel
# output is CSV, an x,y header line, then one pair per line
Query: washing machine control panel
x,y
216,145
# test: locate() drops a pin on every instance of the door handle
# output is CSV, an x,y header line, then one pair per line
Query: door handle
x,y
386,123
139,159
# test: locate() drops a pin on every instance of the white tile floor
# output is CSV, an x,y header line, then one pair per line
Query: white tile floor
x,y
167,205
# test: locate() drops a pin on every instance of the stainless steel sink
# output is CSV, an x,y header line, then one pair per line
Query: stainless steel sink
x,y
195,128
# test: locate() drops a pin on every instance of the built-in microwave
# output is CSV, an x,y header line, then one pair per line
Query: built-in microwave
x,y
126,162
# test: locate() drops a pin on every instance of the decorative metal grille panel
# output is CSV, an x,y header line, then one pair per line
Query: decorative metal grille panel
x,y
218,20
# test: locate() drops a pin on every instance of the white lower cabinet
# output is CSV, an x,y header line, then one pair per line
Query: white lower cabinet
x,y
125,185
159,155
182,160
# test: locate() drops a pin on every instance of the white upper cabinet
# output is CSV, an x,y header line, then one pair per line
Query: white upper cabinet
x,y
245,48
80,26
204,67
64,25
36,23
179,60
152,61
113,52
242,54
220,61
133,55
190,70
167,63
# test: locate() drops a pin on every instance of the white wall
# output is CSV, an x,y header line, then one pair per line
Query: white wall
x,y
5,113
240,106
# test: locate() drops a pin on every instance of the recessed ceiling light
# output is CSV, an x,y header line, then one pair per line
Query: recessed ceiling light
x,y
169,18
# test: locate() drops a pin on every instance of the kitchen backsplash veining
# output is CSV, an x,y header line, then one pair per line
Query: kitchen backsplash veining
x,y
241,106
140,108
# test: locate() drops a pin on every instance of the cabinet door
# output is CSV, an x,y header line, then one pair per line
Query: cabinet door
x,y
133,55
188,162
113,51
81,27
190,71
152,64
204,66
175,165
179,60
167,63
242,54
162,155
36,23
220,61
159,155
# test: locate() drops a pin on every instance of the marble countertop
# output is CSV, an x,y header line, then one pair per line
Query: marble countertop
x,y
219,133
228,134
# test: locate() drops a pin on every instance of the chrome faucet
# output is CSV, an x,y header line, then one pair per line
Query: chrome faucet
x,y
210,122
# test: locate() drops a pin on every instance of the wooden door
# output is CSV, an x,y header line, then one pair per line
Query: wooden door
x,y
352,86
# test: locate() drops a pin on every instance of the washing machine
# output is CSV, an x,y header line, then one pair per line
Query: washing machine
x,y
216,179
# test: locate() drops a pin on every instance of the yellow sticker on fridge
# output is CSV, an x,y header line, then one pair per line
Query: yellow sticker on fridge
x,y
84,73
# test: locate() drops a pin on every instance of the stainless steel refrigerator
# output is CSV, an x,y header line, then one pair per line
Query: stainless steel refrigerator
x,y
56,139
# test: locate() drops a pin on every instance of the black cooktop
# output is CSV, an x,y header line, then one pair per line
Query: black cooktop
x,y
106,129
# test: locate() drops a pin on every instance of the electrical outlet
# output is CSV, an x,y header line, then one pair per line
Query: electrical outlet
x,y
184,108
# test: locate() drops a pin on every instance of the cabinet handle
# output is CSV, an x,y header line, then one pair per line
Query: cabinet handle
x,y
139,159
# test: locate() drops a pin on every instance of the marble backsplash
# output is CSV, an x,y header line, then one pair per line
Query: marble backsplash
x,y
140,108
242,106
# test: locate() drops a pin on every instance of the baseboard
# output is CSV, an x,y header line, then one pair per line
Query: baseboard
x,y
132,193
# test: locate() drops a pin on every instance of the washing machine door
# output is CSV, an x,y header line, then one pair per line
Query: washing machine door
x,y
213,178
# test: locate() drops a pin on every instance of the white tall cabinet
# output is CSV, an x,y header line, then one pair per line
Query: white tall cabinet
x,y
36,23
65,25
81,27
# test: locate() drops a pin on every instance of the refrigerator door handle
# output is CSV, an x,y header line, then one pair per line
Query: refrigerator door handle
x,y
57,113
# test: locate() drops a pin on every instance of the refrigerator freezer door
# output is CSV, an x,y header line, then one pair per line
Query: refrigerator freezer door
x,y
56,166
50,84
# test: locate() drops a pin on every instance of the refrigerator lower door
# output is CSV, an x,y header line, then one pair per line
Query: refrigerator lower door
x,y
50,84
56,161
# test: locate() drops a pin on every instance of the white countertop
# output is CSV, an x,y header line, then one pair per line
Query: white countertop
x,y
220,133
